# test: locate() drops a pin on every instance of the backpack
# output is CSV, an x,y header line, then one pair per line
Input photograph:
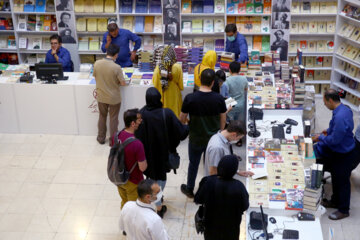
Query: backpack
x,y
116,168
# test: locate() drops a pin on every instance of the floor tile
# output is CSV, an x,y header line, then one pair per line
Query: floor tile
x,y
104,225
61,190
38,236
9,189
70,236
89,191
15,222
49,162
75,224
108,208
33,190
24,205
41,176
11,235
82,207
45,223
53,206
23,162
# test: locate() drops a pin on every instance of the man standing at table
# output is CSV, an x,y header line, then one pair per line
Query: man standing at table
x,y
335,149
236,43
109,76
58,54
121,38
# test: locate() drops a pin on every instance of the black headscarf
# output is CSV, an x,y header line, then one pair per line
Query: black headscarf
x,y
153,99
228,166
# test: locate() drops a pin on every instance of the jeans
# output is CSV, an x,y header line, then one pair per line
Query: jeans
x,y
162,184
113,111
195,152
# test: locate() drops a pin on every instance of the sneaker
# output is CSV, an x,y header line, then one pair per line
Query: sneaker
x,y
100,141
189,193
337,215
162,211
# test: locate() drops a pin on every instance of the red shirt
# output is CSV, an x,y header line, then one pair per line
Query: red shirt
x,y
134,152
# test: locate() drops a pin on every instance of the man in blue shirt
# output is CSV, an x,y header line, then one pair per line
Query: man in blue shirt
x,y
58,54
236,43
335,149
121,38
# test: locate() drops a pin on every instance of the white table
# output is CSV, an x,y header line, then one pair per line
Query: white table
x,y
68,107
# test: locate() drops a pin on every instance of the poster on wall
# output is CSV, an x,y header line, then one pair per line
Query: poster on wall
x,y
66,21
171,20
280,27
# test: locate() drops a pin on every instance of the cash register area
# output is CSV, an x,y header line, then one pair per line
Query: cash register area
x,y
56,187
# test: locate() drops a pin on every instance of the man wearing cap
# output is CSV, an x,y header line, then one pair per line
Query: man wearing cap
x,y
121,38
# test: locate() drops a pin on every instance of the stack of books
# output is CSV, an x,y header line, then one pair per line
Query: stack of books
x,y
276,61
254,62
225,60
146,61
182,57
312,198
285,71
195,55
157,55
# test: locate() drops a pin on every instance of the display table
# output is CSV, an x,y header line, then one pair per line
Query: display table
x,y
69,107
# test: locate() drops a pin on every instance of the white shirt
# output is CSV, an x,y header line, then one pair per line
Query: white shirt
x,y
141,222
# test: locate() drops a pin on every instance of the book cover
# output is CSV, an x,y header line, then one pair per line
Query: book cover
x,y
208,25
29,6
355,35
155,6
109,6
102,24
295,7
126,6
23,42
330,27
303,45
186,6
11,42
94,43
327,62
249,41
22,19
293,46
128,23
158,24
219,45
37,43
230,8
231,20
321,46
139,24
197,6
209,44
258,8
250,8
330,46
343,29
39,23
197,25
219,6
83,43
294,199
312,46
309,75
303,27
31,23
341,48
187,42
98,6
240,23
322,27
149,23
208,6
92,25
3,42
257,43
315,7
46,43
267,7
18,6
89,6
81,24
79,5
40,6
141,6
219,25
242,8
265,44
313,27
349,30
306,7
322,7
294,27
331,7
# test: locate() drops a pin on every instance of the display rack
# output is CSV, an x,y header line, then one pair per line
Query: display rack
x,y
339,59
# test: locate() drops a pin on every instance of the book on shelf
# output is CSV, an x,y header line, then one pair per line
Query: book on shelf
x,y
322,7
46,43
349,30
98,6
18,6
303,45
309,75
198,42
22,19
231,20
356,34
230,8
81,24
310,61
94,44
265,46
208,6
321,46
258,8
241,8
40,23
219,25
40,57
330,46
40,6
330,27
322,27
149,24
240,23
187,42
294,27
31,58
79,6
208,25
331,7
139,24
23,42
249,40
312,46
257,43
126,6
306,7
102,24
313,27
343,29
89,6
83,43
250,8
318,62
327,61
219,6
219,45
11,42
36,43
155,6
315,7
295,7
197,6
3,42
197,25
186,6
29,6
141,6
148,43
31,22
303,27
209,44
128,23
293,46
91,25
158,24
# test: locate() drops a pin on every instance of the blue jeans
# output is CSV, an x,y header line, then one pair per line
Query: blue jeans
x,y
195,152
162,184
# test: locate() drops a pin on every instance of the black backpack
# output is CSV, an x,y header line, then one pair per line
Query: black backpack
x,y
116,168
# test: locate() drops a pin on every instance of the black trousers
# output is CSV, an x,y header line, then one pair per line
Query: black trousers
x,y
340,166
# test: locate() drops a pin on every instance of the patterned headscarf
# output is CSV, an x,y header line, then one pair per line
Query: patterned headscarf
x,y
168,59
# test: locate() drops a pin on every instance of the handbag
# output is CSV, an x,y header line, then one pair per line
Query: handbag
x,y
174,158
200,219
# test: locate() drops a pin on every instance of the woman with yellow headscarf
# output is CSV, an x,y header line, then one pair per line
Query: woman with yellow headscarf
x,y
168,80
208,61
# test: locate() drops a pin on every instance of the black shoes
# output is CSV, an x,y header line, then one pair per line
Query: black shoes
x,y
189,193
162,211
328,204
100,141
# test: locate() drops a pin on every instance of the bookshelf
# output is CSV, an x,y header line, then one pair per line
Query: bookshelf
x,y
345,60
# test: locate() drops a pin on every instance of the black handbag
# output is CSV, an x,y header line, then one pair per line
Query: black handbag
x,y
200,219
174,158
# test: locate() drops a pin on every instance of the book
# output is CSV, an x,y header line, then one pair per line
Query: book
x,y
197,25
303,45
257,43
295,7
40,6
330,46
23,42
3,42
39,23
265,46
306,7
158,24
79,5
265,24
36,43
83,43
219,6
11,42
303,27
126,6
149,23
219,25
330,27
313,27
294,27
22,19
46,43
242,8
356,34
322,7
141,6
155,6
98,6
230,8
250,8
29,6
128,23
208,6
18,6
102,24
327,62
249,40
209,44
31,22
81,24
91,25
331,7
94,43
89,6
139,24
311,46
197,6
208,25
186,6
293,46
294,199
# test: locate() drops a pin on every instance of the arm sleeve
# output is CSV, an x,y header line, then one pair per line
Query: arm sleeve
x,y
243,49
223,108
103,49
158,231
135,38
156,79
200,194
140,153
178,75
47,58
185,107
66,59
215,155
336,136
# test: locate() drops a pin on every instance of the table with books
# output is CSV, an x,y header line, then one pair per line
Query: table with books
x,y
68,107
